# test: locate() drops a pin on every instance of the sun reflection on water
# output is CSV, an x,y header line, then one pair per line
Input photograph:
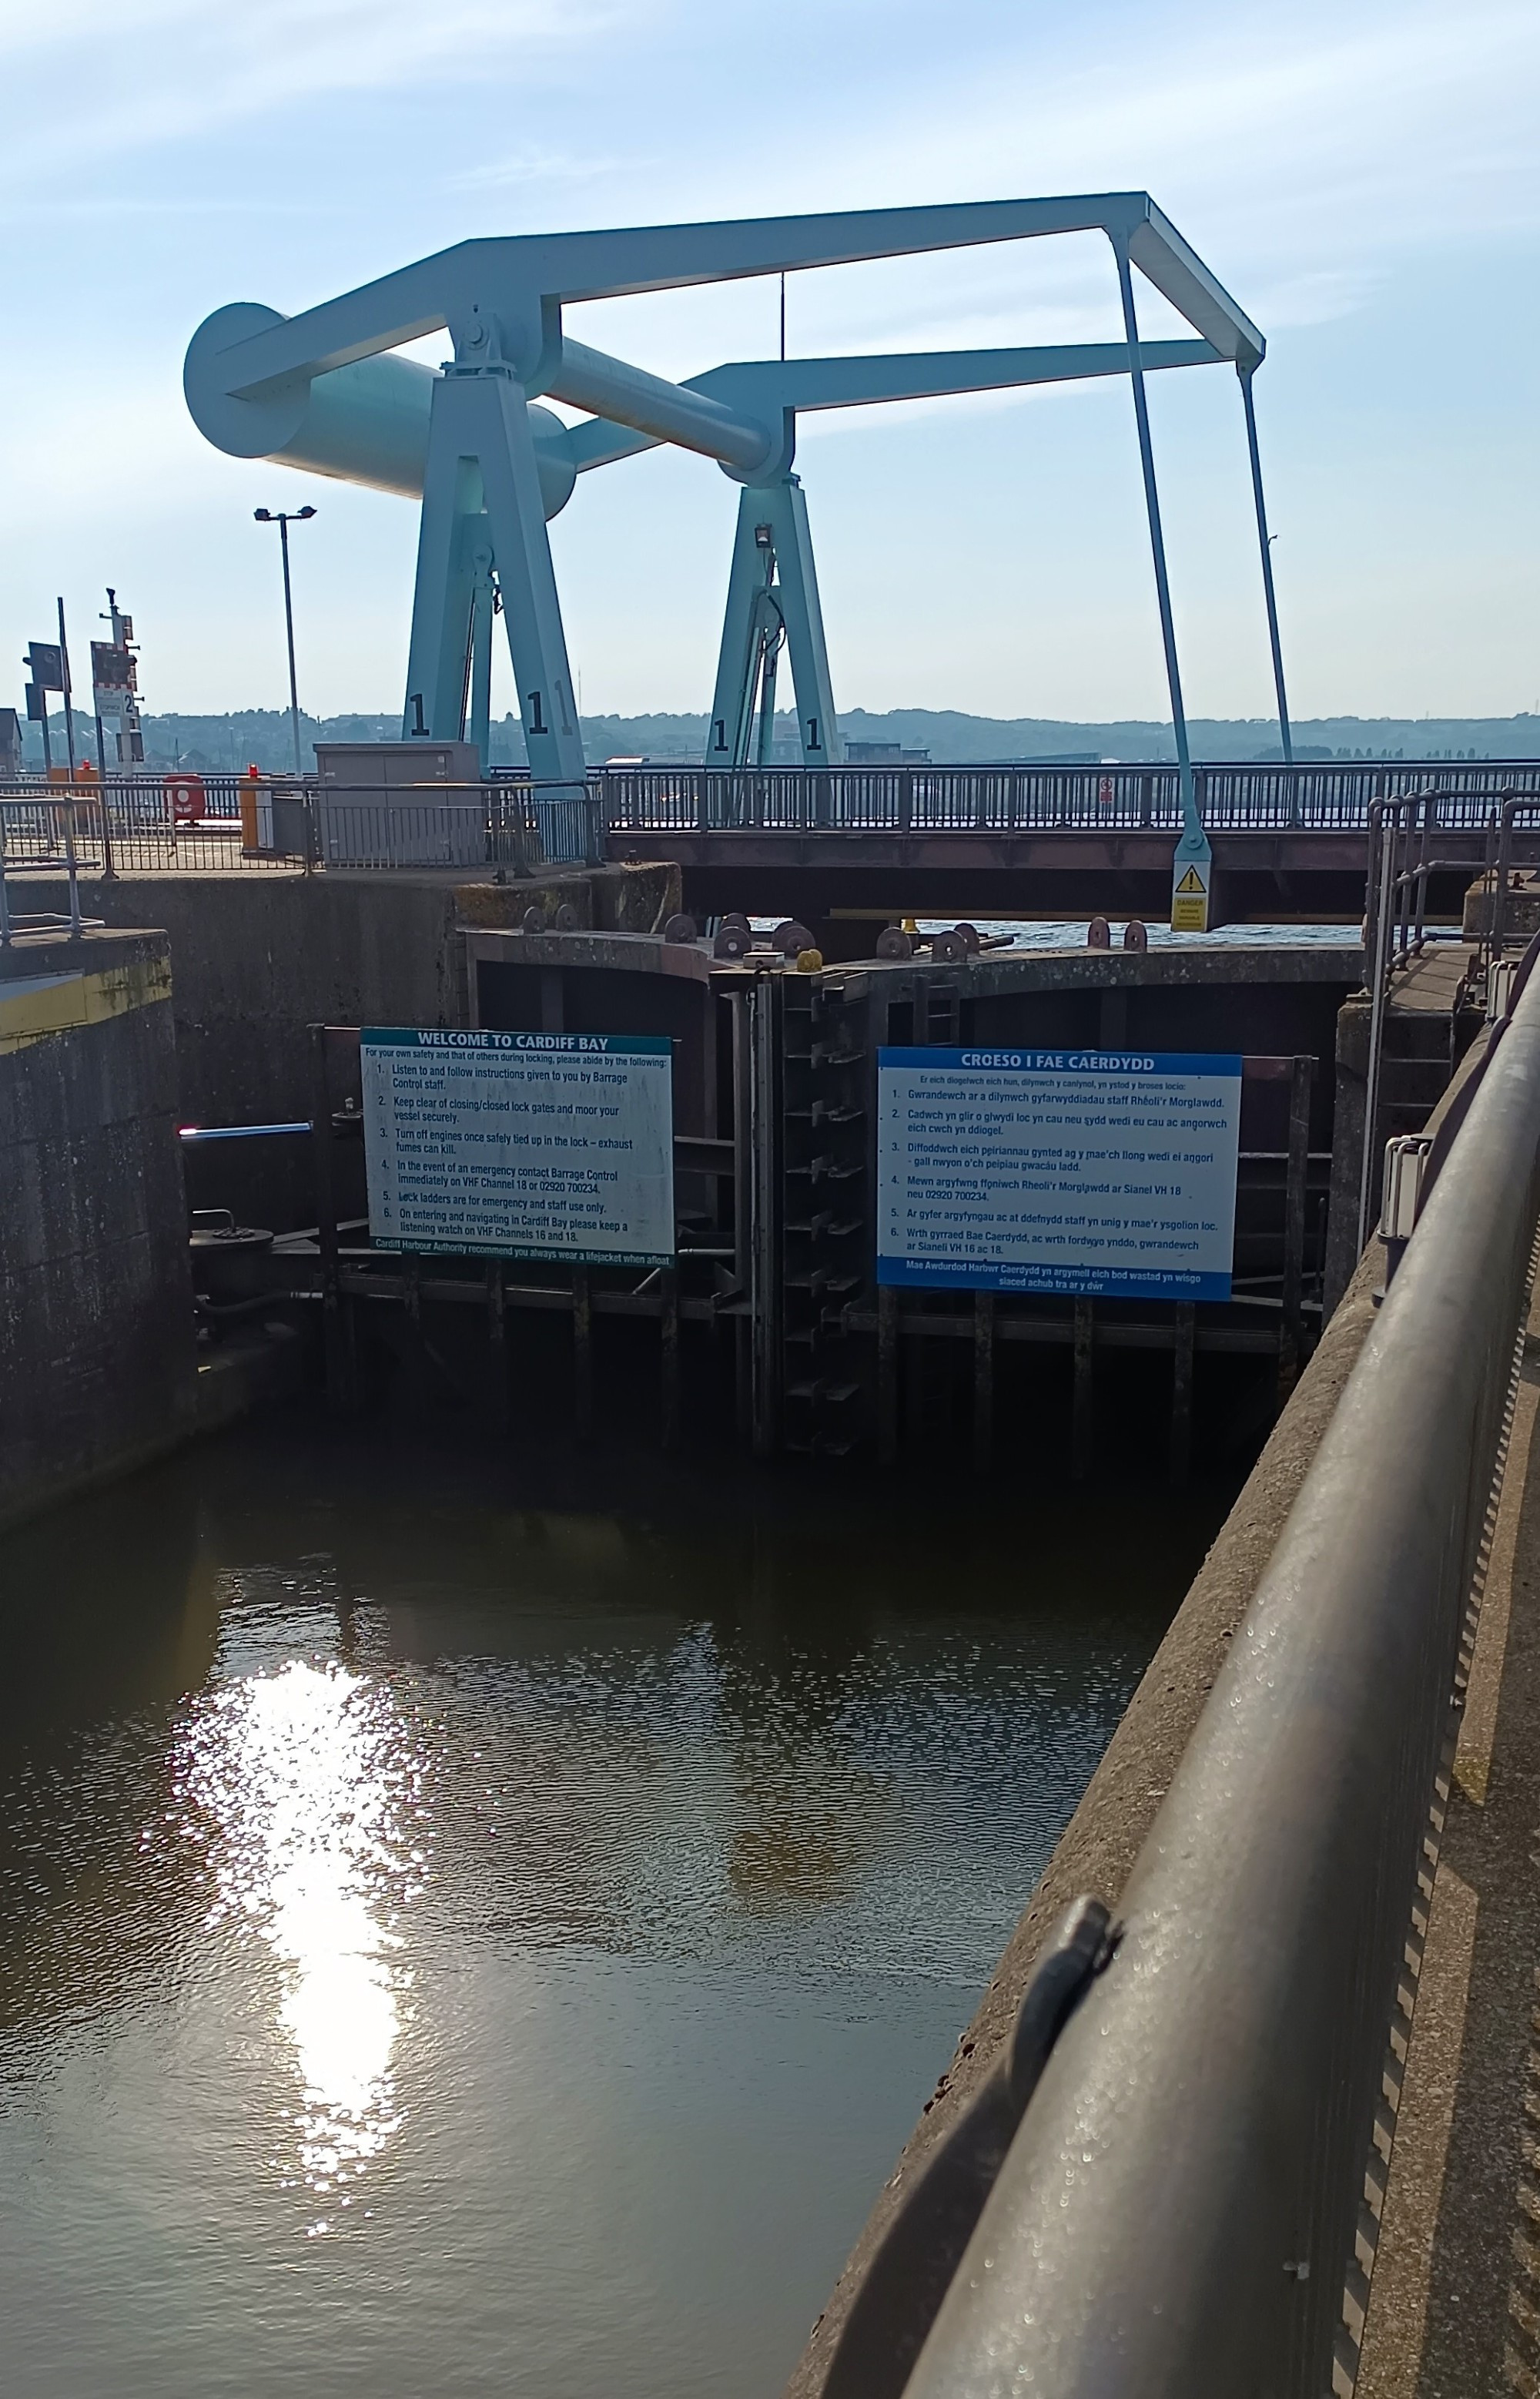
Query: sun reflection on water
x,y
304,1787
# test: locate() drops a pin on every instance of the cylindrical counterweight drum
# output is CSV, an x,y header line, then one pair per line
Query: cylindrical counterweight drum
x,y
363,424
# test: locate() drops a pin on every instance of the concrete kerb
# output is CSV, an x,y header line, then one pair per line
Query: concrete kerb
x,y
1097,1849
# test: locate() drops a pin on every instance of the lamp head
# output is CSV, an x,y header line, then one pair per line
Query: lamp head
x,y
303,513
264,515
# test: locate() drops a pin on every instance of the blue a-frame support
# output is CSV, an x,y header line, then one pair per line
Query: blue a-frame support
x,y
319,390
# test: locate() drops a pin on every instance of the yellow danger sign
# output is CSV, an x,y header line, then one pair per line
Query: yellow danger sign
x,y
1190,903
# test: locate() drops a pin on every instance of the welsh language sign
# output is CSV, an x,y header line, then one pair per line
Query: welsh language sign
x,y
1092,1170
520,1144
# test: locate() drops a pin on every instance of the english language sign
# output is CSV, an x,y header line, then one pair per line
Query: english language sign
x,y
520,1144
1103,1173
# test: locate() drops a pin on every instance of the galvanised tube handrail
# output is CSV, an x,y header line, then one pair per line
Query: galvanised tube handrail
x,y
1514,804
1177,2212
46,830
1395,927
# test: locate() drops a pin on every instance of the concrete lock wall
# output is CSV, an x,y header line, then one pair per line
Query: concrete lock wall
x,y
97,1361
258,957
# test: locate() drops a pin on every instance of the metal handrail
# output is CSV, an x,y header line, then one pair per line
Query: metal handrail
x,y
1020,798
1180,2209
1395,923
44,833
1514,804
1457,798
1017,798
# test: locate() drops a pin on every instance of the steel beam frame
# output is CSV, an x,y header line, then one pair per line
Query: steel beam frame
x,y
250,376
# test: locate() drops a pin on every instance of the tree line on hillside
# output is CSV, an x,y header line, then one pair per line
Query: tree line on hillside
x,y
228,744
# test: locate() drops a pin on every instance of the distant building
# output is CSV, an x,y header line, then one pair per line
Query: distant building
x,y
884,754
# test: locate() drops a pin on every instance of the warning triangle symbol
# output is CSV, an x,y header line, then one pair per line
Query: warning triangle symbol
x,y
1192,881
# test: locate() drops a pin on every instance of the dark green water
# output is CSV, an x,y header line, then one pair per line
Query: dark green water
x,y
459,1936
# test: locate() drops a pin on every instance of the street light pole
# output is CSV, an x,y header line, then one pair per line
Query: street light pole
x,y
283,520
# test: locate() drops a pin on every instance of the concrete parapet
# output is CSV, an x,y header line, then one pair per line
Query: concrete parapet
x,y
1520,908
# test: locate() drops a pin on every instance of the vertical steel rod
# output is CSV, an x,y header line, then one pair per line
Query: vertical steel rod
x,y
1292,1324
743,1207
1378,1000
108,869
72,868
765,1283
1500,890
332,1341
289,634
1265,542
1191,825
64,670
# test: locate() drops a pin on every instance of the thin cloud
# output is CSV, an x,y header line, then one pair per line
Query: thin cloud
x,y
534,166
193,68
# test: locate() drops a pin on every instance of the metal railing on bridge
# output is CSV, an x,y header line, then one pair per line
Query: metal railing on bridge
x,y
1022,799
188,822
203,824
1190,2201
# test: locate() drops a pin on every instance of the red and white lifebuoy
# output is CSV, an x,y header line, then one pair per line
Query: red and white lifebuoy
x,y
185,798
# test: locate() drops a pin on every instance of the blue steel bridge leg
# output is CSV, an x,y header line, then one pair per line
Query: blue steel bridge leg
x,y
481,455
1245,369
1192,868
772,554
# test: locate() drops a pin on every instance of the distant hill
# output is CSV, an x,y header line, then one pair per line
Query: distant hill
x,y
261,737
955,739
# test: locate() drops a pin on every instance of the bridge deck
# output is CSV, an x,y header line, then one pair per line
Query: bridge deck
x,y
1455,2306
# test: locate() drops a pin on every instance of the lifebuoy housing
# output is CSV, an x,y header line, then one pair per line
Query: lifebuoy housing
x,y
185,798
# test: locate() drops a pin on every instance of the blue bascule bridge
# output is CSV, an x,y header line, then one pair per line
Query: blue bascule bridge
x,y
490,465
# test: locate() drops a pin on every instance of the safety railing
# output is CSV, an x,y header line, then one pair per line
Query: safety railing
x,y
46,834
1515,807
1233,798
1189,2202
182,823
188,823
569,823
205,823
1403,857
462,825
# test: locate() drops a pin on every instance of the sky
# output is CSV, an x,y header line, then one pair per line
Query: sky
x,y
1359,175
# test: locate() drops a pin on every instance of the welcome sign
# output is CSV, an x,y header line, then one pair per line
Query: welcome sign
x,y
520,1144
